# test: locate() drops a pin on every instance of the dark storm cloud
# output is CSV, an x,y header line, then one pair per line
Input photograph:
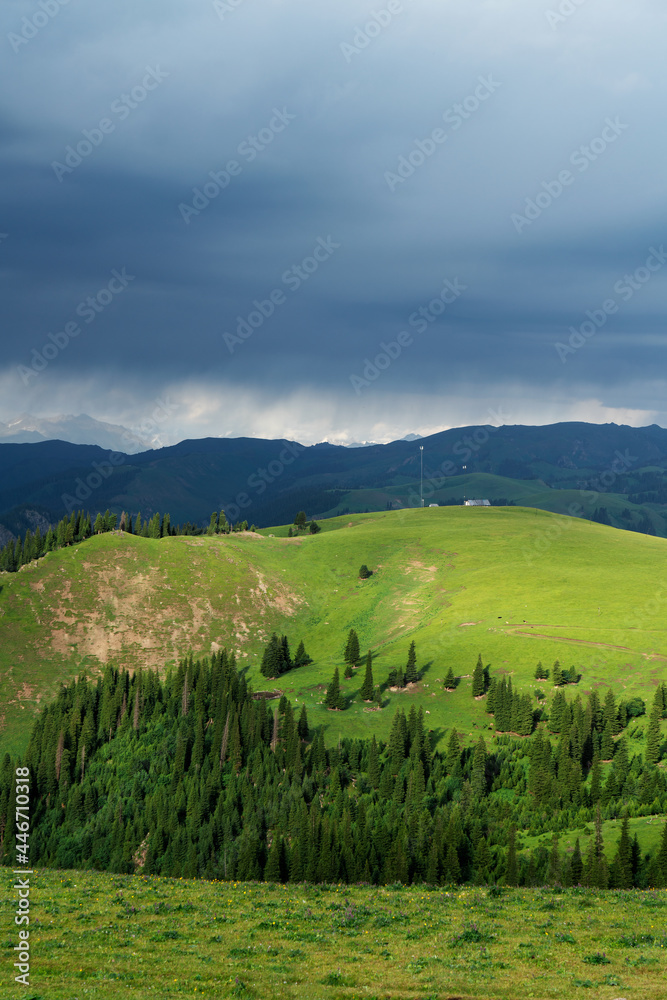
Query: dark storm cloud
x,y
237,139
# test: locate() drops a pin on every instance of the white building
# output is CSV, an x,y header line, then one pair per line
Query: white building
x,y
476,503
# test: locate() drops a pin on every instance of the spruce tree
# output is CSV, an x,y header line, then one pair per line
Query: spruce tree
x,y
271,660
596,780
623,859
352,652
272,870
302,724
557,675
452,866
478,678
450,680
653,740
300,520
433,867
453,754
397,742
525,716
301,657
478,776
553,869
610,713
503,705
482,862
334,698
285,657
576,864
557,713
366,692
607,742
661,857
411,675
374,763
512,869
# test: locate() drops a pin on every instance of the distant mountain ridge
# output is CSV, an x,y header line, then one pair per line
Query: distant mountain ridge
x,y
80,429
266,482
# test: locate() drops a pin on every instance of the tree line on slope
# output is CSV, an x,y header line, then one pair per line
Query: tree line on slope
x,y
196,775
78,527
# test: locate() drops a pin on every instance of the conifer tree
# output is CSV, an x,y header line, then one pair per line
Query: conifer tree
x,y
482,862
596,780
541,673
623,859
503,705
557,675
374,763
607,742
334,698
653,740
478,776
576,864
301,657
610,713
661,858
512,869
271,660
235,746
397,742
302,725
433,866
452,866
553,869
352,652
411,667
478,678
285,657
367,688
525,716
621,760
453,754
556,716
491,696
596,870
450,680
272,870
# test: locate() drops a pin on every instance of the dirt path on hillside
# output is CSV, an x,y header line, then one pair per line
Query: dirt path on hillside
x,y
587,642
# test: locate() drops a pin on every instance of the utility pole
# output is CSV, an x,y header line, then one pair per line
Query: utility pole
x,y
421,478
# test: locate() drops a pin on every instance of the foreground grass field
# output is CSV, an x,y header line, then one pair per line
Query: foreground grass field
x,y
518,585
101,936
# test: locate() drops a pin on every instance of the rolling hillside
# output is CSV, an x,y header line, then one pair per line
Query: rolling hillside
x,y
515,584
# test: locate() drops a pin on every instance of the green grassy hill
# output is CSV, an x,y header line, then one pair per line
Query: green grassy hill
x,y
622,512
518,585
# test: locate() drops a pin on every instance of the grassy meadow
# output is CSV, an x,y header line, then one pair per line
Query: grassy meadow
x,y
516,584
98,936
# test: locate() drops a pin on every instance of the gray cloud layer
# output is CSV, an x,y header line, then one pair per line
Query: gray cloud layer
x,y
509,147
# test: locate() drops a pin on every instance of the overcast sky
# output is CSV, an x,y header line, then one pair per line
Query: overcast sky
x,y
499,165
